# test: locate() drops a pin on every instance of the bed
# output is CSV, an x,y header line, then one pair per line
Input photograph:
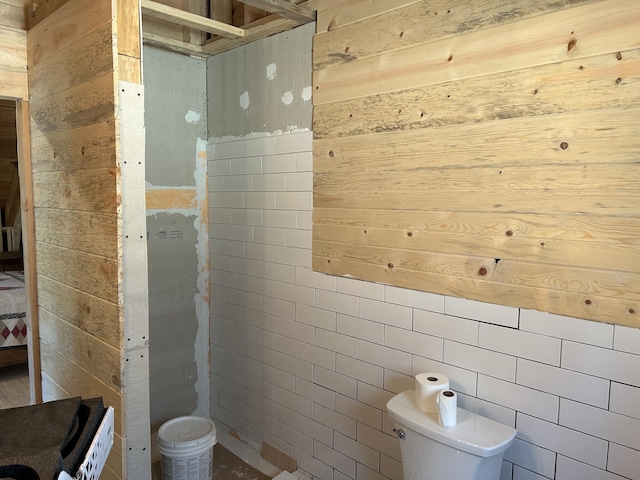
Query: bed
x,y
13,329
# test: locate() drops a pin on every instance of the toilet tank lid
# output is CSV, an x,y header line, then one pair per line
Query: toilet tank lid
x,y
472,433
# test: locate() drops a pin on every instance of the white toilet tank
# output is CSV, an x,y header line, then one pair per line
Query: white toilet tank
x,y
473,449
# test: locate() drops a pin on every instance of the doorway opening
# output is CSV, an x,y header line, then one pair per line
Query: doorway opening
x,y
17,372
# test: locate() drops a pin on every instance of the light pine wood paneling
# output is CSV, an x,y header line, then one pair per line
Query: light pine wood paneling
x,y
470,238
62,30
12,14
602,81
576,228
90,232
86,190
13,62
416,23
85,104
495,143
511,272
104,360
89,57
491,155
82,310
94,274
50,389
89,147
562,202
38,11
567,34
517,178
77,180
334,14
128,30
74,380
130,69
605,309
129,42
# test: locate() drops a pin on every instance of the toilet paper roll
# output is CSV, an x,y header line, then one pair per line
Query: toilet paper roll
x,y
428,386
448,408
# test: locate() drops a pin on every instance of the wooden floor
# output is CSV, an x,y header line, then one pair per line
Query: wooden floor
x,y
14,386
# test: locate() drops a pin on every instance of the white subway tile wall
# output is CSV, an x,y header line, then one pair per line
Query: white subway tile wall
x,y
307,362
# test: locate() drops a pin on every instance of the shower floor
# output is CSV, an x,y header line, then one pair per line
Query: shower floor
x,y
226,466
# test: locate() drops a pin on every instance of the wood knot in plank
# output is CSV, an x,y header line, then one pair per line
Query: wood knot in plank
x,y
572,43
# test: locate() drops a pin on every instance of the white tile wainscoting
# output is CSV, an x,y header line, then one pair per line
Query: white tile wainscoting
x,y
307,362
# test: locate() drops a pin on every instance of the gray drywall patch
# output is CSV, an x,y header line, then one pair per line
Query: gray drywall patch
x,y
173,325
175,102
263,87
177,243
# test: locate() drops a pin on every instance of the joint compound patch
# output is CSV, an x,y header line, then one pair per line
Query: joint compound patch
x,y
244,100
306,93
287,98
271,71
192,117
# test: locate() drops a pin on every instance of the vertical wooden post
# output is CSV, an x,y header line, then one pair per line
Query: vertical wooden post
x,y
29,249
221,10
129,41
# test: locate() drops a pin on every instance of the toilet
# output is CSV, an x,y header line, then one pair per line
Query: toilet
x,y
472,449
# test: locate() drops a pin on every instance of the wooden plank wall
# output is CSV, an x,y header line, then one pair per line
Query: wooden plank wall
x,y
76,179
487,150
13,50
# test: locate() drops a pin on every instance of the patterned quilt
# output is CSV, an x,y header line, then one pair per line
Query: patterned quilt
x,y
13,329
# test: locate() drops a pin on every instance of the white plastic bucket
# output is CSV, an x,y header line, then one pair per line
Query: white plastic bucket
x,y
186,445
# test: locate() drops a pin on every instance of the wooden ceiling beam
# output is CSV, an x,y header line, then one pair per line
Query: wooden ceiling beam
x,y
285,9
265,27
173,45
191,20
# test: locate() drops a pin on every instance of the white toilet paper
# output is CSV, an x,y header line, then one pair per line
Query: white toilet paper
x,y
428,386
448,407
